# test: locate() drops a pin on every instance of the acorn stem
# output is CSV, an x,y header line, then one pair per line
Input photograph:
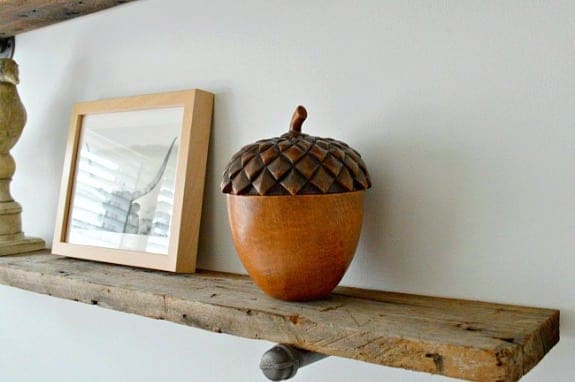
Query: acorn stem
x,y
299,116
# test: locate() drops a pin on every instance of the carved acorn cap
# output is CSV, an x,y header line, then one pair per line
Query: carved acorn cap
x,y
295,164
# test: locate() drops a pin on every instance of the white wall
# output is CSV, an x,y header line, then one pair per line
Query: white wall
x,y
464,113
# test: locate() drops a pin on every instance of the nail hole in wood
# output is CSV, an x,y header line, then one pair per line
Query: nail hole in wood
x,y
469,328
498,357
437,360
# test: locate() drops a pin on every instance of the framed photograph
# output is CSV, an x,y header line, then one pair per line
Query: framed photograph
x,y
133,180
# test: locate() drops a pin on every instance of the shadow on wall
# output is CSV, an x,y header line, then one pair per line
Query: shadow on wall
x,y
50,138
412,213
217,254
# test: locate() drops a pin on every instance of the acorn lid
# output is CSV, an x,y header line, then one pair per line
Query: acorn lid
x,y
295,164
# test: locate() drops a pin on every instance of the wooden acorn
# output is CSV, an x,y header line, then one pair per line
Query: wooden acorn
x,y
295,207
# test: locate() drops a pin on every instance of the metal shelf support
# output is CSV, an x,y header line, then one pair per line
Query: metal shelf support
x,y
7,46
283,361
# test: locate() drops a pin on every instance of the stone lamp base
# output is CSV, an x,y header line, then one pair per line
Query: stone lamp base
x,y
12,121
25,244
12,239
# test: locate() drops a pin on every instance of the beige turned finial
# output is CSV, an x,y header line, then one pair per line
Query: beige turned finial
x,y
12,121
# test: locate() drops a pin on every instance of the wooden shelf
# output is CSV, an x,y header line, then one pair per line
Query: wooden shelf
x,y
17,16
462,339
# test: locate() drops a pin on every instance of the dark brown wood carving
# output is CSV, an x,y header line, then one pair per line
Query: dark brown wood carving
x,y
295,164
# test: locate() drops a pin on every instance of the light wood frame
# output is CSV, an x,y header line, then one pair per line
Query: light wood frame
x,y
189,182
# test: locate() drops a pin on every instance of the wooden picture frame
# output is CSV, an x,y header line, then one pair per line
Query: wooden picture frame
x,y
116,192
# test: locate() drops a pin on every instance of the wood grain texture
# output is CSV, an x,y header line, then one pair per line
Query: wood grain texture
x,y
458,338
18,16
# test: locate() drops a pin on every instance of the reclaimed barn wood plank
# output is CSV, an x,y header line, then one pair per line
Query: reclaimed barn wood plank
x,y
18,16
463,339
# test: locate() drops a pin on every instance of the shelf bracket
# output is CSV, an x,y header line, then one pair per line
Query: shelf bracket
x,y
283,361
7,46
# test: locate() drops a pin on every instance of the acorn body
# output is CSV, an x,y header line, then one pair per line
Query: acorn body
x,y
295,208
